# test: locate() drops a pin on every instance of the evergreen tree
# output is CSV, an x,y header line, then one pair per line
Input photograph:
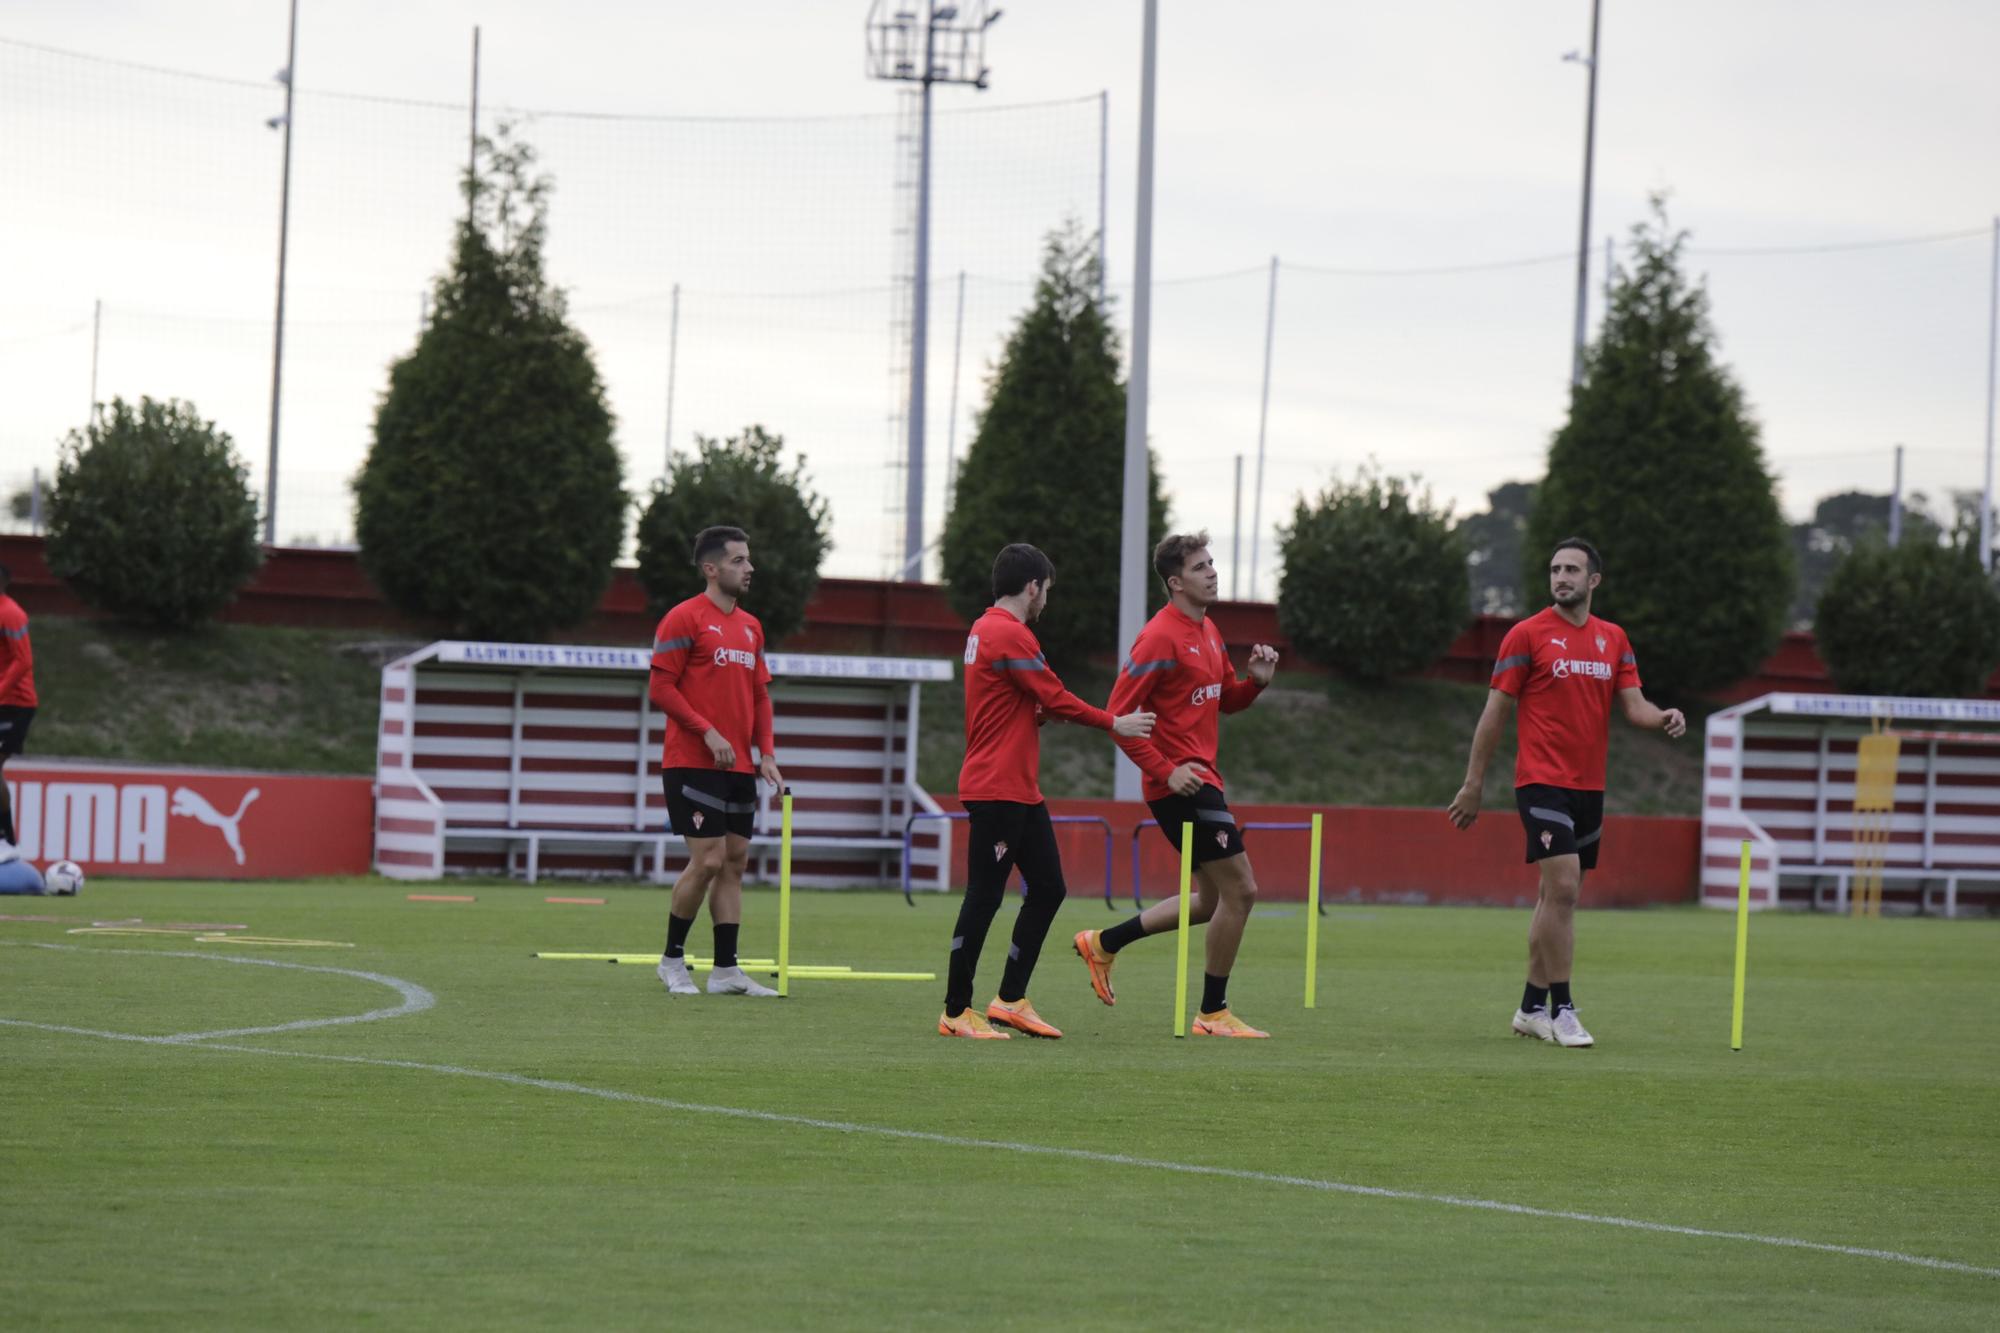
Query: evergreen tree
x,y
1047,465
1493,549
1920,619
151,517
491,502
738,482
1374,581
1661,468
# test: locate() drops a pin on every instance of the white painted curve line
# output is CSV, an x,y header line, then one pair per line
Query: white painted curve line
x,y
415,998
942,1140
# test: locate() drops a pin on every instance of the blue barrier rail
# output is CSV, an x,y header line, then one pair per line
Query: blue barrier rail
x,y
1262,826
909,840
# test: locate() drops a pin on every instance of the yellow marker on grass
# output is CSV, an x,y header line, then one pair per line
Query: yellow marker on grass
x,y
1312,915
1181,950
1742,947
785,897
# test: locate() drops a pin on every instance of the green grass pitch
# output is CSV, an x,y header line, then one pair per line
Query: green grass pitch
x,y
549,1145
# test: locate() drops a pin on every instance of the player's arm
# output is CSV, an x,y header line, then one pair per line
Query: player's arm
x,y
1510,677
1032,676
1238,695
1649,717
1131,693
1464,808
764,729
672,643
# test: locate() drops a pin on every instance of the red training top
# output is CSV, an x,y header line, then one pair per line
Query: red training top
x,y
1565,679
1179,670
17,659
709,671
1008,686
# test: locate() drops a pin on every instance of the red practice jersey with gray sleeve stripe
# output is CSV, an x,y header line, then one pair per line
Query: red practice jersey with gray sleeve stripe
x,y
1179,670
1008,690
1565,680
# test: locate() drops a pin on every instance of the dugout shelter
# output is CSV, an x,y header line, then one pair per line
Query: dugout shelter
x,y
1781,772
532,759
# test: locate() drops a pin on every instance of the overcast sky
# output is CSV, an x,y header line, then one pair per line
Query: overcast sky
x,y
1366,138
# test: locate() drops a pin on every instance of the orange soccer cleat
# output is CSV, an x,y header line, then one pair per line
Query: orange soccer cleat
x,y
969,1024
1222,1023
1099,963
1021,1017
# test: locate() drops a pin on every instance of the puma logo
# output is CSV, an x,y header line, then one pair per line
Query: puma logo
x,y
1560,643
191,804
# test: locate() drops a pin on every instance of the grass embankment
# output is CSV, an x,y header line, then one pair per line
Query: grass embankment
x,y
225,696
242,696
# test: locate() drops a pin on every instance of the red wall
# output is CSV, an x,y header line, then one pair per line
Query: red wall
x,y
1379,855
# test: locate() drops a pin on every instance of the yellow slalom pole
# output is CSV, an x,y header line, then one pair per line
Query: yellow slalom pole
x,y
1742,947
785,895
1181,949
1312,916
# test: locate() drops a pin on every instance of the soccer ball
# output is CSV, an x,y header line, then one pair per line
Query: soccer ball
x,y
64,877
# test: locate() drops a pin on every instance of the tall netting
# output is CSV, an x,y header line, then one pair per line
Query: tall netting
x,y
790,240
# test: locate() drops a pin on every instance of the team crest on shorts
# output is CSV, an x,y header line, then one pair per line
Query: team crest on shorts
x,y
1222,838
697,819
999,852
1548,839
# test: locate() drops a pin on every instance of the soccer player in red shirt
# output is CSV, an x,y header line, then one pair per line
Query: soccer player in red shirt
x,y
1009,692
710,678
1562,670
17,699
1180,669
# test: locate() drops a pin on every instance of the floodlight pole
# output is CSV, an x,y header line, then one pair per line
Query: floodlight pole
x,y
472,141
1896,504
96,333
1133,530
1263,417
1992,357
951,419
290,78
1583,234
673,367
1103,184
890,47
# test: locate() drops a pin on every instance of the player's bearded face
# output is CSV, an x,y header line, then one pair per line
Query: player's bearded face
x,y
1570,579
733,571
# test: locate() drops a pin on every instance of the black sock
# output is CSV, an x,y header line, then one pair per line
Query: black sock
x,y
1559,997
725,943
968,937
1214,993
1533,998
677,933
1120,935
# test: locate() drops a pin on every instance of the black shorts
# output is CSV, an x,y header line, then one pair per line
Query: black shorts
x,y
1006,834
1561,821
14,730
1216,837
707,803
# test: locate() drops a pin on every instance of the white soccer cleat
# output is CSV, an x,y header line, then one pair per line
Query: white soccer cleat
x,y
1534,1023
734,981
674,976
1569,1032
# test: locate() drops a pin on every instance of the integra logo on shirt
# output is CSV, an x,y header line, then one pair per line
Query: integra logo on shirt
x,y
735,657
1205,694
1565,667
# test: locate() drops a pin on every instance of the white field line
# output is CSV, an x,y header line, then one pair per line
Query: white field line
x,y
412,1004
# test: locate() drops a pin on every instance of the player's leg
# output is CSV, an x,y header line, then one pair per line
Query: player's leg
x,y
1562,890
691,814
1225,871
7,838
13,735
1099,948
993,843
725,893
1040,862
1550,827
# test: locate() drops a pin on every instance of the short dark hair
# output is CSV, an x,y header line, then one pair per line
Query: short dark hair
x,y
1595,561
1170,557
712,541
1018,565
